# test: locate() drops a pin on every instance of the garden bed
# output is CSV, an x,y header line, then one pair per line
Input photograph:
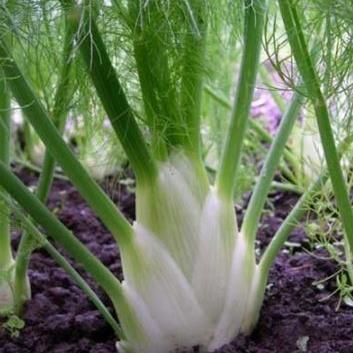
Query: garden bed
x,y
60,319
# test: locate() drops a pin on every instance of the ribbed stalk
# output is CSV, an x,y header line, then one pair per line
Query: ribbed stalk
x,y
261,132
259,195
293,161
305,66
36,114
112,96
173,113
192,75
159,95
255,11
60,111
63,97
160,135
5,133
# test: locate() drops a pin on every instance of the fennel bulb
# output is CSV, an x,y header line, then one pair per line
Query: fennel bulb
x,y
188,271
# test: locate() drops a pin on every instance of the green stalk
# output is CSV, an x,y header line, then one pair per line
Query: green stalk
x,y
62,100
293,161
305,66
41,215
81,283
255,11
152,110
65,265
112,96
287,187
174,121
192,75
261,132
225,103
258,198
159,96
36,114
5,133
75,276
28,165
60,111
254,125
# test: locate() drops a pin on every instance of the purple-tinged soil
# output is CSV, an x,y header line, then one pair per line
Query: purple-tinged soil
x,y
60,319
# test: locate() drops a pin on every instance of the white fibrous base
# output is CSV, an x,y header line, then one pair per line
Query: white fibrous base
x,y
190,276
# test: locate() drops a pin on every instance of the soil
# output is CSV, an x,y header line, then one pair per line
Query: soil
x,y
60,319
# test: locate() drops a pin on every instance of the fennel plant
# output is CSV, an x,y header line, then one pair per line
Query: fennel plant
x,y
184,257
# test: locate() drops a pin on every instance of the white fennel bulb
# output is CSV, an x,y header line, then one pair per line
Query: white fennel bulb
x,y
188,273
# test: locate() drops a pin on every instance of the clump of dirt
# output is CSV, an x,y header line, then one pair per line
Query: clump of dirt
x,y
60,319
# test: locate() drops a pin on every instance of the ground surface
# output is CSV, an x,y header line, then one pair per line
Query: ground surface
x,y
60,319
